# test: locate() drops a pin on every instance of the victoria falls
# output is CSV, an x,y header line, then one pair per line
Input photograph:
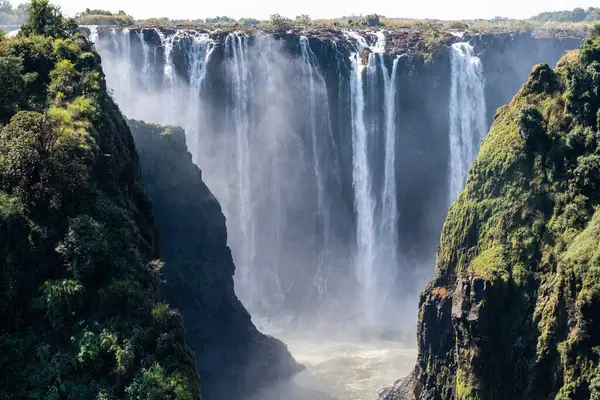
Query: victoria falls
x,y
240,209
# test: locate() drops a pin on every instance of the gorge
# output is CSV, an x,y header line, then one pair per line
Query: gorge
x,y
171,197
335,155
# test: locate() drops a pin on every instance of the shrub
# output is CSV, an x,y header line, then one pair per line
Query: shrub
x,y
281,23
12,84
531,128
45,160
61,300
303,20
47,20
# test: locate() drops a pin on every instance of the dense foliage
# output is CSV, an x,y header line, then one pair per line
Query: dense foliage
x,y
513,311
104,17
80,309
576,15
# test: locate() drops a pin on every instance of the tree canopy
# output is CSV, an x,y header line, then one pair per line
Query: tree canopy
x,y
80,310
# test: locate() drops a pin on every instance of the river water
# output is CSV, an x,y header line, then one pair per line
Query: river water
x,y
341,369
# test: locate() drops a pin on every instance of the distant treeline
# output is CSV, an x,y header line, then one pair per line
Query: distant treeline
x,y
103,17
10,15
578,19
576,15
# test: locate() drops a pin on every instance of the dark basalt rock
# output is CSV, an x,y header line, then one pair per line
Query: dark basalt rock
x,y
233,357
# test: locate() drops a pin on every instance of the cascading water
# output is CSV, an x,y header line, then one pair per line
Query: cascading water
x,y
236,48
365,204
388,228
375,201
146,65
314,78
468,124
201,49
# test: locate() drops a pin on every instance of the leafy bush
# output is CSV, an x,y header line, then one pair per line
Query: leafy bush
x,y
12,84
281,23
45,162
152,384
368,20
47,20
303,20
61,299
104,17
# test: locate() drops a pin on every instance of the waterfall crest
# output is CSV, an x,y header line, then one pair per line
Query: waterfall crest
x,y
468,125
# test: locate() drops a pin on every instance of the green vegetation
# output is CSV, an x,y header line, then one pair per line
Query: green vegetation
x,y
103,17
10,15
80,316
281,23
519,249
576,15
369,20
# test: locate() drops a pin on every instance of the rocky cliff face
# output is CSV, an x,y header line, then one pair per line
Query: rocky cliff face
x,y
233,357
513,309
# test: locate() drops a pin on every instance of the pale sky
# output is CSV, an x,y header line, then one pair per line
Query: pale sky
x,y
439,9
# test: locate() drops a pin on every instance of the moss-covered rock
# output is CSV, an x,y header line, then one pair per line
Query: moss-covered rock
x,y
513,310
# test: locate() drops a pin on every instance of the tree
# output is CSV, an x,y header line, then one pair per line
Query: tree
x,y
12,84
249,21
372,20
303,20
578,15
45,161
46,19
280,22
369,20
5,7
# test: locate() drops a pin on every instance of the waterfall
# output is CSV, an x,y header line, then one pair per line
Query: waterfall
x,y
167,43
236,47
310,72
388,229
468,124
376,261
93,34
200,52
310,200
313,77
116,42
146,65
361,173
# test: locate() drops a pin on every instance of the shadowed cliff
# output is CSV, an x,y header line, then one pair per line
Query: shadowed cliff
x,y
233,357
